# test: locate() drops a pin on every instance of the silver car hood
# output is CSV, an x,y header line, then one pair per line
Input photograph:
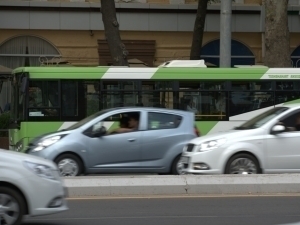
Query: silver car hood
x,y
229,135
9,156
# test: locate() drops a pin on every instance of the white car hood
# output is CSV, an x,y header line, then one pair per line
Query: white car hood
x,y
229,135
7,155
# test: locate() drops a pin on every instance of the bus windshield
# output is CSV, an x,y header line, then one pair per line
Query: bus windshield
x,y
18,97
261,119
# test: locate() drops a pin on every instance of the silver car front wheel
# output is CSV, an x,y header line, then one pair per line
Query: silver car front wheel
x,y
69,165
242,164
12,207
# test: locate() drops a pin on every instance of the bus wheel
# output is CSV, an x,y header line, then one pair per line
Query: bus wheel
x,y
242,164
69,165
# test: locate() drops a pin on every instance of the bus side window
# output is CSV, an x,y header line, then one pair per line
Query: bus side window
x,y
247,101
69,92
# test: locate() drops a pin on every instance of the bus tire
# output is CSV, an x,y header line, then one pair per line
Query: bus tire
x,y
69,165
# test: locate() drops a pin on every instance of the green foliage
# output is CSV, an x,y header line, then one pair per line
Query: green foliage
x,y
4,123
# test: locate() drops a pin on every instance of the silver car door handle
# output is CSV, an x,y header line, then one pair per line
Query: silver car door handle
x,y
131,139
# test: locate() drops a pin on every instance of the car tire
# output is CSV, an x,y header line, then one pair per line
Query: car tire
x,y
9,197
243,164
69,165
174,169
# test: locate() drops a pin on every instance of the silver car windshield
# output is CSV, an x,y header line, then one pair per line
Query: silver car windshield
x,y
261,119
87,119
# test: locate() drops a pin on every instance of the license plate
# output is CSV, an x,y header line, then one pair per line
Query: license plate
x,y
184,160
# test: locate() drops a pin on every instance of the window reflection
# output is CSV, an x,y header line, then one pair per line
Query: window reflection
x,y
119,99
157,94
43,99
286,96
92,94
120,85
43,94
206,105
288,85
251,85
242,102
203,85
69,91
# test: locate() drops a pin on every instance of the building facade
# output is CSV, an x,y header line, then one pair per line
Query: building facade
x,y
34,32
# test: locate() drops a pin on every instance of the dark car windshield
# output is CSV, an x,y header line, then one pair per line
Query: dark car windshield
x,y
87,119
261,119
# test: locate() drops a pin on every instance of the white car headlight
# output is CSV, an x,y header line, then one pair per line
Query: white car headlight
x,y
209,145
46,142
40,170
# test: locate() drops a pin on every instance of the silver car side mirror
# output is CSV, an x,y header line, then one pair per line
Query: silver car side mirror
x,y
278,129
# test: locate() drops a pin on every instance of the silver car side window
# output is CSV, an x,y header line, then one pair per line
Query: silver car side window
x,y
97,126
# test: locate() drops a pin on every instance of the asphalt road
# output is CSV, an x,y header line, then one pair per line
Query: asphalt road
x,y
264,210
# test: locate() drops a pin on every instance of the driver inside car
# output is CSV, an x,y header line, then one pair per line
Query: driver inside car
x,y
123,123
133,124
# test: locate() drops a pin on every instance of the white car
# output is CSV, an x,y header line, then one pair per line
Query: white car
x,y
29,185
268,143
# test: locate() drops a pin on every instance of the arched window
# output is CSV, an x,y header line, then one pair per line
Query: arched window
x,y
25,51
295,57
240,53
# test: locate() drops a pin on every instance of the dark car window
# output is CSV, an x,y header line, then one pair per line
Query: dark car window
x,y
158,121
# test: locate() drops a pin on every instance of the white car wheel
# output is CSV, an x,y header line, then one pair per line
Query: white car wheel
x,y
12,207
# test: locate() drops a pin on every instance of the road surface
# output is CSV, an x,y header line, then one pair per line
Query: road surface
x,y
257,210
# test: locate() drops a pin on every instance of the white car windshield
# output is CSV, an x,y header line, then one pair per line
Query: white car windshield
x,y
261,119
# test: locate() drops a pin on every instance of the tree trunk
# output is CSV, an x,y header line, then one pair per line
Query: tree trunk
x,y
198,30
117,49
277,36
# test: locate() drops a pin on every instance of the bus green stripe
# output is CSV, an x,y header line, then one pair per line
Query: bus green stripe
x,y
209,73
64,73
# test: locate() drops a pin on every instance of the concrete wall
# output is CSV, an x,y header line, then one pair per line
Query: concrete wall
x,y
81,47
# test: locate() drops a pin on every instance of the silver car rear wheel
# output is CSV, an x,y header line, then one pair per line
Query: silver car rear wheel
x,y
11,207
177,166
242,164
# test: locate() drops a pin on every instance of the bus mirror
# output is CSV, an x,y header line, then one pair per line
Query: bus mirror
x,y
14,125
24,85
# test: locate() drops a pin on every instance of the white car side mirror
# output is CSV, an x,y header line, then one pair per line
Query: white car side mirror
x,y
278,129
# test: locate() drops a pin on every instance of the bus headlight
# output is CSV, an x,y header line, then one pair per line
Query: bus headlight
x,y
209,145
46,143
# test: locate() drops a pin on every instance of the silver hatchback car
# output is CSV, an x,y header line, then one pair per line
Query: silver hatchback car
x,y
147,140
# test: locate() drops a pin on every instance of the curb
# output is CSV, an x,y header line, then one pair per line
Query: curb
x,y
182,185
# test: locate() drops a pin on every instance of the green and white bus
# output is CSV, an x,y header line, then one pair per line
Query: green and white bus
x,y
47,99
